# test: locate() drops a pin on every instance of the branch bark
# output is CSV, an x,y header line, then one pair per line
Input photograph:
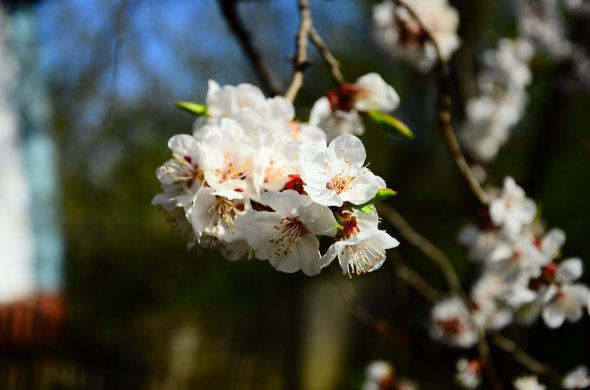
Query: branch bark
x,y
300,61
232,18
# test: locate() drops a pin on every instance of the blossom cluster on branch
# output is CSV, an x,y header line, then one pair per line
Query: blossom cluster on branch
x,y
252,179
399,32
502,98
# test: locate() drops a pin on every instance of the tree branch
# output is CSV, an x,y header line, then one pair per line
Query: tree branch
x,y
525,359
444,115
416,281
232,18
300,61
328,57
444,265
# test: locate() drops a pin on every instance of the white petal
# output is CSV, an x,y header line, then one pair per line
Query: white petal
x,y
570,270
318,219
285,203
553,316
349,148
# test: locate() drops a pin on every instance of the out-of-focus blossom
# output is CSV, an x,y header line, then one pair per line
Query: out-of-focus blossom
x,y
469,373
577,379
528,383
399,33
451,323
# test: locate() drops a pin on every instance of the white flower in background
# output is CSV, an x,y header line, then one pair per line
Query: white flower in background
x,y
512,209
182,176
508,66
528,383
486,295
451,323
503,98
577,379
469,373
362,247
374,94
379,375
564,300
335,174
337,113
398,32
335,122
287,236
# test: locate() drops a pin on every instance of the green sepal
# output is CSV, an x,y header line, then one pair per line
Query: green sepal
x,y
391,123
381,195
195,109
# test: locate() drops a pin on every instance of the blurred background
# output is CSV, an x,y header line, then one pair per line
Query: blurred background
x,y
98,292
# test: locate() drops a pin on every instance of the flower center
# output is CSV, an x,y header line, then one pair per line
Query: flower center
x,y
339,183
183,171
362,258
233,171
349,224
451,326
224,212
288,232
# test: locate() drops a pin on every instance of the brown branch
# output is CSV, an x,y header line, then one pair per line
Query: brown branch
x,y
376,325
525,359
300,61
232,18
328,57
416,281
444,115
444,265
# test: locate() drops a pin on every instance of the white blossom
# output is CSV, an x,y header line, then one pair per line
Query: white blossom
x,y
379,374
335,174
577,379
398,32
468,373
528,383
451,323
182,176
287,235
362,247
512,209
337,113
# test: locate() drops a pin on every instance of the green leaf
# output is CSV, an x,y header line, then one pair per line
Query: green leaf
x,y
381,195
391,123
192,108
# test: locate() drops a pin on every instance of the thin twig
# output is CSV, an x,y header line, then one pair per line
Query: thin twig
x,y
328,57
444,116
376,325
300,61
423,245
451,278
416,281
114,65
525,359
232,17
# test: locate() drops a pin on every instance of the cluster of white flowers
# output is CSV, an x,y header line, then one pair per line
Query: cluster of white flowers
x,y
380,375
576,379
337,113
542,22
502,100
251,179
522,279
523,276
398,31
